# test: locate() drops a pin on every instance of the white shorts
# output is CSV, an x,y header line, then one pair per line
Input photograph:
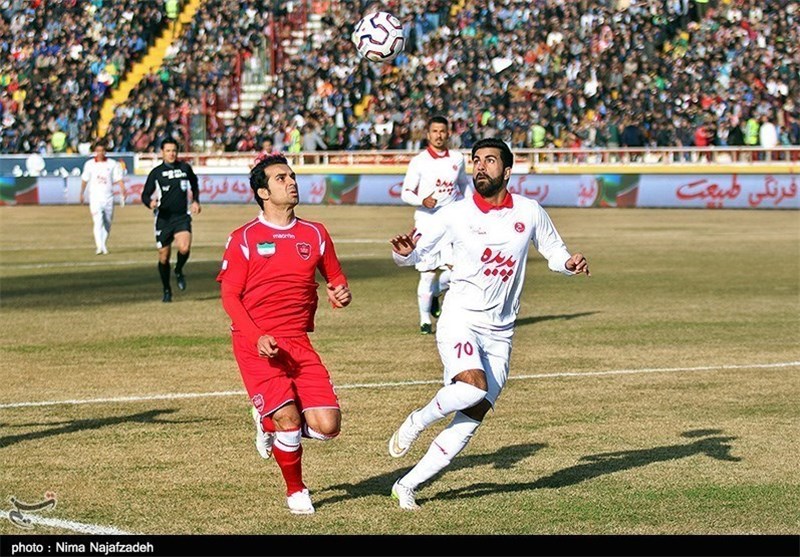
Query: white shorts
x,y
462,347
441,255
102,206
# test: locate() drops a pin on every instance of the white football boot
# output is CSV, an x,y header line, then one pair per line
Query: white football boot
x,y
406,496
300,502
403,438
264,440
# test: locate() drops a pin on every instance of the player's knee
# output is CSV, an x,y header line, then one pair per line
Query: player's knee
x,y
474,377
323,434
462,395
478,411
286,423
287,418
322,427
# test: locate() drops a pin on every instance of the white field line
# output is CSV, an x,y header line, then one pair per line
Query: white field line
x,y
110,530
175,396
69,525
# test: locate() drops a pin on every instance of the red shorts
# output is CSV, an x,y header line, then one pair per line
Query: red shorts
x,y
295,374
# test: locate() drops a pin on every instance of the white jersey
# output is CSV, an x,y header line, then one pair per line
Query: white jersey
x,y
490,250
100,178
442,176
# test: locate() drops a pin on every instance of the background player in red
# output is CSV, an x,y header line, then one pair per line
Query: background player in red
x,y
269,291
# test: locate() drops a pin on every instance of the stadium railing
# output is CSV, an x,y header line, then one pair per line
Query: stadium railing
x,y
652,159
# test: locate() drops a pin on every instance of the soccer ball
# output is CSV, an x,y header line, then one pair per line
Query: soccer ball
x,y
379,37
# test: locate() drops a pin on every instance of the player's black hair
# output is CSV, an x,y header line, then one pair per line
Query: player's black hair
x,y
169,140
258,178
505,153
100,143
437,120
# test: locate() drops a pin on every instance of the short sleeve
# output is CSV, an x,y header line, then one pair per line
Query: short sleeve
x,y
235,261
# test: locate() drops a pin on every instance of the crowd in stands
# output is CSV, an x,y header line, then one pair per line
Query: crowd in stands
x,y
58,61
196,80
536,73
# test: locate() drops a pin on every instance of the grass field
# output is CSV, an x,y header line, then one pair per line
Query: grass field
x,y
659,396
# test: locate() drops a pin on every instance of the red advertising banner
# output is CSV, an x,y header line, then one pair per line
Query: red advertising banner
x,y
706,191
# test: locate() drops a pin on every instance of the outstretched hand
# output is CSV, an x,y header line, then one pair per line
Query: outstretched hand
x,y
403,244
578,264
339,296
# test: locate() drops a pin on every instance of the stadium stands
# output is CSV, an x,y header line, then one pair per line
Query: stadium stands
x,y
537,73
57,62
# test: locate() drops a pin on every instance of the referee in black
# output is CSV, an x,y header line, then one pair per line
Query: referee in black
x,y
166,192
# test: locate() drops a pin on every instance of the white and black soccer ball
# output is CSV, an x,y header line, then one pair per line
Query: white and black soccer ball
x,y
379,37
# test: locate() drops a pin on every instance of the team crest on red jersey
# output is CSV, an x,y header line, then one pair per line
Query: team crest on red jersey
x,y
519,227
304,250
258,402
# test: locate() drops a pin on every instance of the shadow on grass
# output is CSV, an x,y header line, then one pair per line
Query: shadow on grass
x,y
67,289
709,443
149,417
504,458
539,318
104,286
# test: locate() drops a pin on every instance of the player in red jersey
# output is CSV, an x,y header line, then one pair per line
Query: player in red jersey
x,y
269,291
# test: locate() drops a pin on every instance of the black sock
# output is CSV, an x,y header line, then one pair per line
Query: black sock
x,y
163,271
182,258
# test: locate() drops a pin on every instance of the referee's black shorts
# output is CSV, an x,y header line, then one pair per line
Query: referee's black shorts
x,y
166,227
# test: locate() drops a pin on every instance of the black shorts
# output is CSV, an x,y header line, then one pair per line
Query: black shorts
x,y
165,228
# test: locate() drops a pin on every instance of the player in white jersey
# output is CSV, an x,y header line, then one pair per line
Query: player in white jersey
x,y
491,232
100,174
434,179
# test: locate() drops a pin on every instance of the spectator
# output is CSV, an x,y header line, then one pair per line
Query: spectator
x,y
767,136
737,59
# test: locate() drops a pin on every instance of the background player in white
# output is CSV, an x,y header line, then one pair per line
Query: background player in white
x,y
491,232
100,174
434,179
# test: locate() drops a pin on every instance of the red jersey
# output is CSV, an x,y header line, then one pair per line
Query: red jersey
x,y
273,270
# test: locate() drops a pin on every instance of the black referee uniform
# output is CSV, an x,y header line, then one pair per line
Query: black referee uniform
x,y
170,184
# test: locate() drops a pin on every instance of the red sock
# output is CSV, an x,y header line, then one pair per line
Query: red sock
x,y
289,461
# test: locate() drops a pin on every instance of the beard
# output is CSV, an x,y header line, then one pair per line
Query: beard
x,y
488,186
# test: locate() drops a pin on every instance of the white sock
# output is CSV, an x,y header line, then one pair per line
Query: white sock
x,y
99,230
424,295
288,441
444,448
456,396
314,434
443,283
